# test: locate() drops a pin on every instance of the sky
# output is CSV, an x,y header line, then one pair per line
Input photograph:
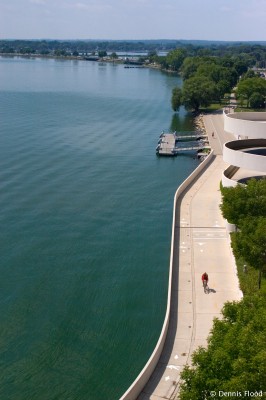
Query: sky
x,y
229,20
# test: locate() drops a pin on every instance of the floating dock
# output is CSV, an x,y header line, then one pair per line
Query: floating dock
x,y
170,144
166,145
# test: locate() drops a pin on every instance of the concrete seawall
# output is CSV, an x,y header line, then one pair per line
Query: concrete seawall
x,y
141,380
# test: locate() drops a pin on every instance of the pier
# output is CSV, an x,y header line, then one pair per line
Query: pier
x,y
170,144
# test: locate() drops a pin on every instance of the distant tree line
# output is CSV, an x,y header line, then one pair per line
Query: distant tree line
x,y
255,53
83,46
251,54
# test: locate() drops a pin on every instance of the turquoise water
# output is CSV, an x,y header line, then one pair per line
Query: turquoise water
x,y
85,214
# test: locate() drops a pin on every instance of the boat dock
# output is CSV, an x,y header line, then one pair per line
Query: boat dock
x,y
170,144
190,137
166,145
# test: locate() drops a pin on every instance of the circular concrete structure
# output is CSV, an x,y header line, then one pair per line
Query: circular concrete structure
x,y
246,125
246,157
249,154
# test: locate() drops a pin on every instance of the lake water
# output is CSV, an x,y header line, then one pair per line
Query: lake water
x,y
85,214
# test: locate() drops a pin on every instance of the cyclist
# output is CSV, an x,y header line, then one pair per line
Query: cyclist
x,y
204,278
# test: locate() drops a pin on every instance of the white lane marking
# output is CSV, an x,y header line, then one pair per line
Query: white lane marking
x,y
210,238
209,230
173,367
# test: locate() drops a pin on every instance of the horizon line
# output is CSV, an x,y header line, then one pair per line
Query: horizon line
x,y
139,40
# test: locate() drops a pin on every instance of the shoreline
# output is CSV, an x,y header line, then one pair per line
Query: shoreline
x,y
80,58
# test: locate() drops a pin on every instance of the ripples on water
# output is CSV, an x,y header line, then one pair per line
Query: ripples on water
x,y
85,212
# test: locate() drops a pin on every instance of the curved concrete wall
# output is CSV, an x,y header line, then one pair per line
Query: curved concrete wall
x,y
234,154
139,383
246,124
227,175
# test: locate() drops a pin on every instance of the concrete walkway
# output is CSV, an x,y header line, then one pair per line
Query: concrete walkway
x,y
201,245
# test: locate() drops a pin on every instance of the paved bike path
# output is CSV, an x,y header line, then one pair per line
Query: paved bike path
x,y
201,244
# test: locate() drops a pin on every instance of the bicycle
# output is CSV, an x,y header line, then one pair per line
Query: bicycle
x,y
205,286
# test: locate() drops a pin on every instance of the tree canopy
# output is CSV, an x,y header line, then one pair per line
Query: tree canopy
x,y
198,91
102,53
235,357
175,58
213,76
244,200
250,242
248,87
176,98
245,206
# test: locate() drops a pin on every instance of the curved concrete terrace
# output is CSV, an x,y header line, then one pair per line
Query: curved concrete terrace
x,y
246,124
249,154
247,158
199,243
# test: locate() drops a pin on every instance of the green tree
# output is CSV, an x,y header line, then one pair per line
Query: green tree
x,y
44,52
250,243
60,53
176,98
223,87
27,50
249,74
162,62
235,357
197,92
102,53
7,49
244,200
175,58
241,66
152,56
189,67
256,100
245,206
220,71
249,86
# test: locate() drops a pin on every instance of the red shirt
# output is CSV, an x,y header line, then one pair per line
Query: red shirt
x,y
205,277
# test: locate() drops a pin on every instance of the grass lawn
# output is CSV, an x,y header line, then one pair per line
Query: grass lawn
x,y
212,107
